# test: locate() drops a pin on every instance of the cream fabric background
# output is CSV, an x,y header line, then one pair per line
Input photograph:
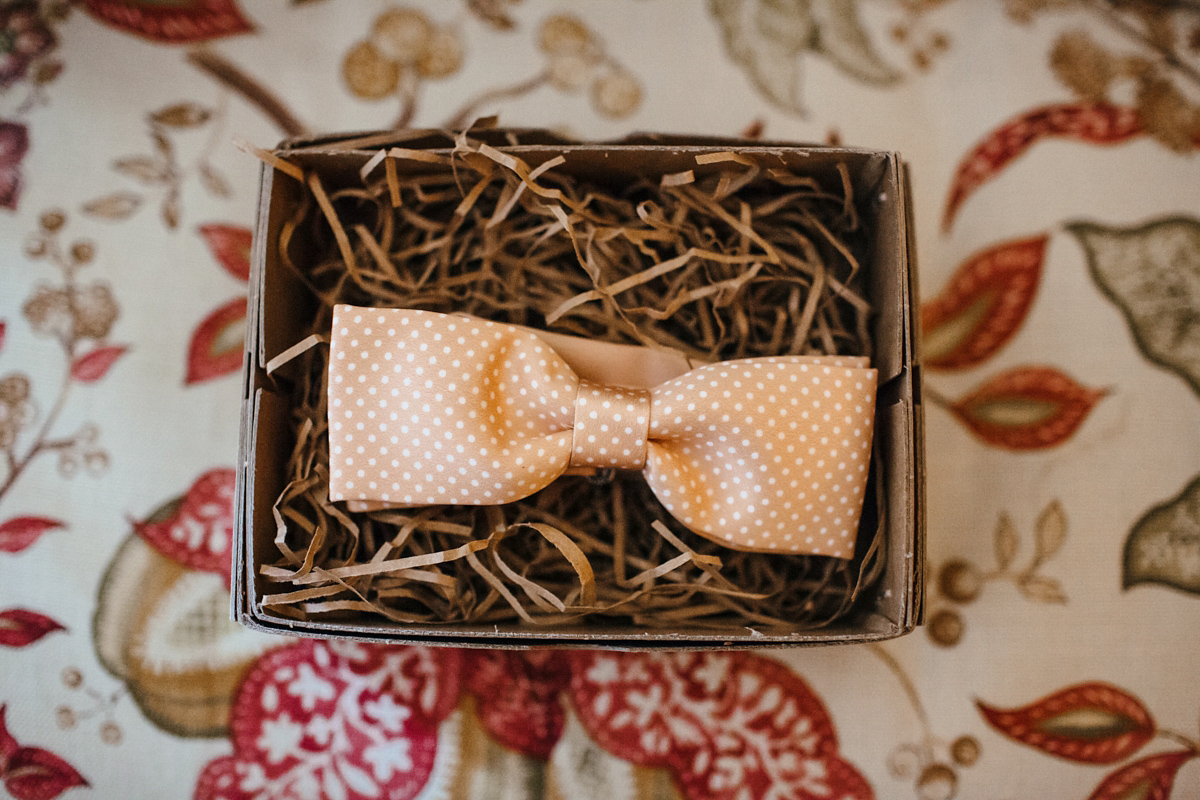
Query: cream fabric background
x,y
1139,446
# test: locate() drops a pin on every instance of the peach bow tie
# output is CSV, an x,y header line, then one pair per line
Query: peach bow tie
x,y
762,454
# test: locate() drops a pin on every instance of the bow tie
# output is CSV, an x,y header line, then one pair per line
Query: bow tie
x,y
761,454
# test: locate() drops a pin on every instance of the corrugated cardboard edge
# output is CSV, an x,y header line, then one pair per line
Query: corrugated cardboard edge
x,y
906,389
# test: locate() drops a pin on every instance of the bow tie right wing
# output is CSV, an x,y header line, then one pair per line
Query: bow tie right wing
x,y
766,454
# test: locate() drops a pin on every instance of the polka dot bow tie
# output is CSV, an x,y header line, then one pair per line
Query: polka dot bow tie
x,y
762,454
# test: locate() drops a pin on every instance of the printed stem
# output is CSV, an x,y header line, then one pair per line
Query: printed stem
x,y
467,114
40,444
251,90
1179,738
17,466
910,689
410,86
1123,26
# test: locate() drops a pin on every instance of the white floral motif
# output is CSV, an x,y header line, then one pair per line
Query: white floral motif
x,y
604,670
348,732
310,687
280,737
389,757
390,714
728,731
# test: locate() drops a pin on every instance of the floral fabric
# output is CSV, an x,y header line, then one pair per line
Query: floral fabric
x,y
1056,185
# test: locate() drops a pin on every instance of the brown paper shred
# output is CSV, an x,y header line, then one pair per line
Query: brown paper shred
x,y
645,276
392,175
390,566
727,155
339,232
418,155
571,551
739,263
678,178
302,346
300,595
270,159
372,162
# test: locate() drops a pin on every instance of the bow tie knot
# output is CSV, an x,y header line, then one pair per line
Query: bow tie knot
x,y
611,427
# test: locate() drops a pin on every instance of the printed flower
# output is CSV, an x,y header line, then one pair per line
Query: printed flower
x,y
23,38
616,93
14,143
15,408
727,725
336,719
403,42
95,311
162,614
69,314
49,313
577,58
572,49
360,720
517,697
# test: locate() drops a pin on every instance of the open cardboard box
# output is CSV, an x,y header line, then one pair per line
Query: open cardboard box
x,y
280,306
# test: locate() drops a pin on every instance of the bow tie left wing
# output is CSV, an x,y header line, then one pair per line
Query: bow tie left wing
x,y
430,409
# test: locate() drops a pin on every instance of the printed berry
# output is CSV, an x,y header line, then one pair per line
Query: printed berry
x,y
402,35
368,74
616,94
937,782
442,57
564,34
960,581
65,717
72,678
110,733
965,750
52,220
945,628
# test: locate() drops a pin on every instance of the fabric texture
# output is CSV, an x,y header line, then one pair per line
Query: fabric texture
x,y
1056,187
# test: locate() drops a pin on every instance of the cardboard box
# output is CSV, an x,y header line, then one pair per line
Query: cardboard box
x,y
280,305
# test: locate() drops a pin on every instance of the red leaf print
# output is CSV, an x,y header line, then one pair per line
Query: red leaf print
x,y
725,724
19,627
1095,123
197,529
1027,408
37,774
176,22
983,306
19,532
1092,723
8,744
1146,779
336,719
32,773
93,366
216,346
3,330
517,697
230,245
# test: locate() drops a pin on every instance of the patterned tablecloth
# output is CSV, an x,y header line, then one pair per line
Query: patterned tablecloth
x,y
1057,187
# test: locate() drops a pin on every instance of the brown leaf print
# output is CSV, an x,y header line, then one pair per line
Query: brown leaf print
x,y
1083,66
115,206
